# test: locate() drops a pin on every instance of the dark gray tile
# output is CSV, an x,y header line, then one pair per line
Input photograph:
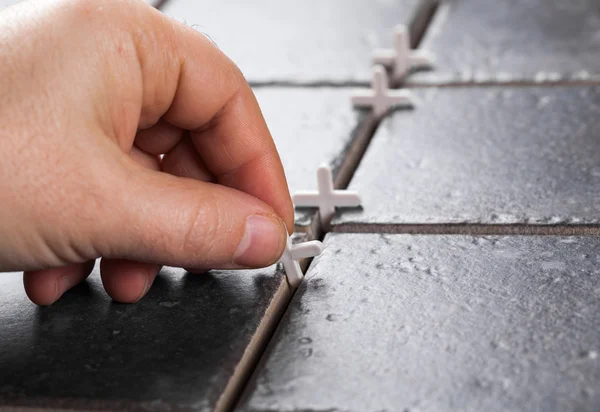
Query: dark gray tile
x,y
298,41
484,156
514,40
311,126
185,346
439,323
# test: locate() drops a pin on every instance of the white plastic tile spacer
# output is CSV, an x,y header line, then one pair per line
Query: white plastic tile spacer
x,y
381,98
402,59
326,198
293,253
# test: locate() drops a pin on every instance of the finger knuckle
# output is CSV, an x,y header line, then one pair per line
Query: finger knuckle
x,y
202,229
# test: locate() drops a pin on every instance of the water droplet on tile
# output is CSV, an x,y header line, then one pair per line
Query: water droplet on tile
x,y
332,317
591,354
498,344
554,265
543,101
306,352
168,304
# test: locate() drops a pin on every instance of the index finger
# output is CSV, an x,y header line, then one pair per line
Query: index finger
x,y
203,91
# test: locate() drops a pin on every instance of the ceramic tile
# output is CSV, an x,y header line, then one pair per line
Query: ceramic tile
x,y
185,346
508,158
483,41
299,42
439,323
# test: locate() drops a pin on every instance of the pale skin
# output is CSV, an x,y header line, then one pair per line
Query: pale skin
x,y
92,92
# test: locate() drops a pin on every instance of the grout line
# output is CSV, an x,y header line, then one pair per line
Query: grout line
x,y
492,83
240,383
315,84
469,229
421,21
364,134
258,346
351,158
420,84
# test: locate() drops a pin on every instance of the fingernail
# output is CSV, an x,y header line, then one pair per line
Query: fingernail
x,y
62,285
261,241
146,282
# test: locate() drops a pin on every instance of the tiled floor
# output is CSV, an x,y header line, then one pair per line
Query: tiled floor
x,y
443,319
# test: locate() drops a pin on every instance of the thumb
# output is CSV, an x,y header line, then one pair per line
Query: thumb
x,y
156,217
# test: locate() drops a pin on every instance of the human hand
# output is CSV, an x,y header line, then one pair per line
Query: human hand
x,y
91,93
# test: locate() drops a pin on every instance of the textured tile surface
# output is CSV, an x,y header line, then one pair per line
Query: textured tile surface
x,y
177,349
297,41
439,323
310,126
514,40
490,156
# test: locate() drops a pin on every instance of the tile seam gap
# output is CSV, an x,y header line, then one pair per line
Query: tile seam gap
x,y
491,84
231,400
346,171
358,148
309,85
423,18
470,230
268,338
365,132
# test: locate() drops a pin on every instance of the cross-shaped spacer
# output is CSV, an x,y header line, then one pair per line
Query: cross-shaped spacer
x,y
381,98
326,198
293,253
401,59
